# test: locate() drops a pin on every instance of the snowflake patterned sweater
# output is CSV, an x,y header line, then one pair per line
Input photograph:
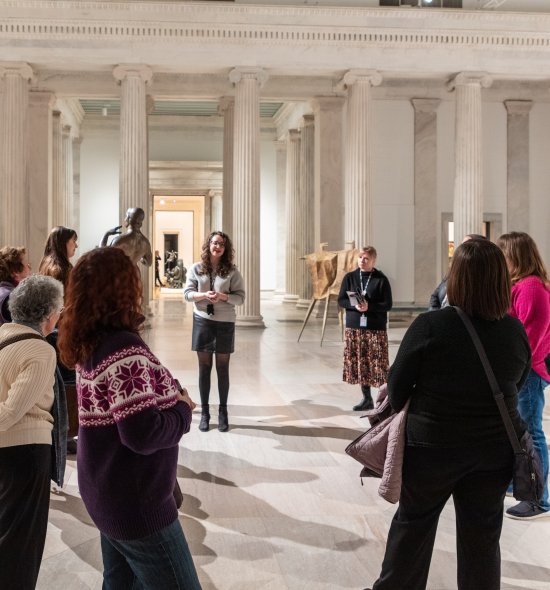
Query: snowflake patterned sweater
x,y
130,425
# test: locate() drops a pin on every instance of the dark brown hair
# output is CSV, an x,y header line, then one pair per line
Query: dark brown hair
x,y
225,265
55,262
522,256
103,294
11,262
479,282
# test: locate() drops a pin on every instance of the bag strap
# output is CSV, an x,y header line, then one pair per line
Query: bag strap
x,y
15,339
498,395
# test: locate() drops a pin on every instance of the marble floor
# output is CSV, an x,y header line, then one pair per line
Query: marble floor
x,y
276,503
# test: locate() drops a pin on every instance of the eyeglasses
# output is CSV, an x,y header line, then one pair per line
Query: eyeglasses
x,y
219,244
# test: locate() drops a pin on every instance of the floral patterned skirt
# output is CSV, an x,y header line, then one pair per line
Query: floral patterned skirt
x,y
366,358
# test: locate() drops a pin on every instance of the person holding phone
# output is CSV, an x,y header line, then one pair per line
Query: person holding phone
x,y
366,358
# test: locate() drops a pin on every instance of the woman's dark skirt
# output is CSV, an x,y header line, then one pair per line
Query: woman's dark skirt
x,y
212,336
366,358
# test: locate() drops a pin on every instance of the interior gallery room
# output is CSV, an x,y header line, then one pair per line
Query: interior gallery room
x,y
298,127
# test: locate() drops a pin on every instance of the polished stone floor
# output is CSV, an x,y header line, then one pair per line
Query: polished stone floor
x,y
275,503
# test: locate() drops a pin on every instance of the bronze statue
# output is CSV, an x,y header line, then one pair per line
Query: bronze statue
x,y
133,243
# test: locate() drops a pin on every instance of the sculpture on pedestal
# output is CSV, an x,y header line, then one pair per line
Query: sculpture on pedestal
x,y
133,243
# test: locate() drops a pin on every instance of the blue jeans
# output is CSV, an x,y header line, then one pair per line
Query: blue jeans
x,y
161,560
530,407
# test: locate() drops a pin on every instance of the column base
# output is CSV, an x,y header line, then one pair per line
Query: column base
x,y
303,303
250,322
289,298
278,295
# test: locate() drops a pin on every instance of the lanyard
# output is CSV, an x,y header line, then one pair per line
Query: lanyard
x,y
212,279
365,286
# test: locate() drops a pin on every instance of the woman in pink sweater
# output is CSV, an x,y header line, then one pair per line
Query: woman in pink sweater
x,y
530,303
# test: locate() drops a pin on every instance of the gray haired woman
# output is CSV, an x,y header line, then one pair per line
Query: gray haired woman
x,y
27,377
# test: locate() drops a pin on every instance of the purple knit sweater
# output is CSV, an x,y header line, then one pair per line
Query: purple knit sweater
x,y
130,425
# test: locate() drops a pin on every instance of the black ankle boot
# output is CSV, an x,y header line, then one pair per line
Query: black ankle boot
x,y
223,424
366,403
204,425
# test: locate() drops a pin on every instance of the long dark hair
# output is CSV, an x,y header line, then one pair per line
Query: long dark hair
x,y
479,281
522,256
55,262
103,294
225,265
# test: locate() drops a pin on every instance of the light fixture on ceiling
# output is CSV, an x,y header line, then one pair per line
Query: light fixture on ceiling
x,y
162,201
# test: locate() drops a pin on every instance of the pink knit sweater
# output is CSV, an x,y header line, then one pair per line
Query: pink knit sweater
x,y
531,305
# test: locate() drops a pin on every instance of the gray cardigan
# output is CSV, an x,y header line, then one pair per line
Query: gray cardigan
x,y
232,284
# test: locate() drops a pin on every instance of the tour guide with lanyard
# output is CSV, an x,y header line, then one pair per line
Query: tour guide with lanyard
x,y
364,296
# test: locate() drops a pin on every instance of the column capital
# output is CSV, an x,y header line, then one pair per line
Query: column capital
x,y
225,103
122,71
425,105
518,107
308,120
66,130
351,77
294,134
41,98
239,73
280,145
482,79
20,68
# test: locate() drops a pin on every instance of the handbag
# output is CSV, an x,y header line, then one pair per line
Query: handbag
x,y
527,479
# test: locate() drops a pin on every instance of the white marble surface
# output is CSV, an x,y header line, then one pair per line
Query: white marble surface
x,y
275,503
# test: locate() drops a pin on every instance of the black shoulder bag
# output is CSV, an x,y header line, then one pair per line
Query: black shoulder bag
x,y
527,475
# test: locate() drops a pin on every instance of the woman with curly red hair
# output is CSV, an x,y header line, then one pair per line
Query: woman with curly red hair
x,y
215,287
132,414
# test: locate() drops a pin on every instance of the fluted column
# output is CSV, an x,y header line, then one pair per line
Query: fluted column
x,y
517,174
328,171
58,172
293,215
246,189
306,245
39,172
67,194
77,142
425,198
358,197
134,157
14,202
468,187
227,109
280,170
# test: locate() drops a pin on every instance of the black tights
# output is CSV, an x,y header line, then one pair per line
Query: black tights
x,y
222,370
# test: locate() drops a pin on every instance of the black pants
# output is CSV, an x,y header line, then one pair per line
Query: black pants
x,y
24,503
477,479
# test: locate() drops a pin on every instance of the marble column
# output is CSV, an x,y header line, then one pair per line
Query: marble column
x,y
246,189
293,215
426,275
328,169
39,172
67,194
58,171
517,174
77,142
468,186
280,179
134,157
227,109
216,208
306,244
14,200
358,198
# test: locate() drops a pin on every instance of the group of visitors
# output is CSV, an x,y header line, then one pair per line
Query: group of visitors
x,y
132,413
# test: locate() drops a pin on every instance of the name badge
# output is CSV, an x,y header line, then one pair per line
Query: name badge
x,y
363,321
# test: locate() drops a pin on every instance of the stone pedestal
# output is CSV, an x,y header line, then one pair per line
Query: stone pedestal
x,y
293,215
329,179
246,189
426,275
358,198
517,173
134,158
227,109
14,203
468,187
